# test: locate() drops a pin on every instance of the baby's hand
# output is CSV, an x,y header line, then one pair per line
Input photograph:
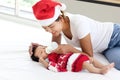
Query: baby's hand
x,y
44,63
41,60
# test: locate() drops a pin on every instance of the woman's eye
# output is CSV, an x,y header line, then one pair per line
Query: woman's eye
x,y
51,26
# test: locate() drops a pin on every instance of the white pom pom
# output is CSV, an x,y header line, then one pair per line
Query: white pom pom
x,y
63,7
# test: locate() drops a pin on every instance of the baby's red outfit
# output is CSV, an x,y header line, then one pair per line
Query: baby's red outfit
x,y
66,62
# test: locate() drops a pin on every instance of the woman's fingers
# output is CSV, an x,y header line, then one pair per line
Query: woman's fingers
x,y
56,50
59,50
63,49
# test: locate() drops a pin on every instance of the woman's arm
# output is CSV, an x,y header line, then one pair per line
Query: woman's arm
x,y
86,45
66,48
56,39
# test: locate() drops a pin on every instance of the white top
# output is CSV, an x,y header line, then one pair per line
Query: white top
x,y
81,26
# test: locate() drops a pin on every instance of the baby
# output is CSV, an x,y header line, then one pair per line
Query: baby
x,y
71,61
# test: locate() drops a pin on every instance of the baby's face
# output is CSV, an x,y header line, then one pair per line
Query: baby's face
x,y
40,52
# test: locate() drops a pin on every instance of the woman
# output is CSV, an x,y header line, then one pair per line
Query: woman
x,y
90,35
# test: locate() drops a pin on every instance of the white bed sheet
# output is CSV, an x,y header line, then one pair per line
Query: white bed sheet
x,y
15,63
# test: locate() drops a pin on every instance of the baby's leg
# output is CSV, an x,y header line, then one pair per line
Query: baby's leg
x,y
91,68
98,64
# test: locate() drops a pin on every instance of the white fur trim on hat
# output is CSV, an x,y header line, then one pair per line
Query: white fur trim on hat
x,y
63,7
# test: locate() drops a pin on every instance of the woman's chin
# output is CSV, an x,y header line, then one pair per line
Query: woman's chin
x,y
56,34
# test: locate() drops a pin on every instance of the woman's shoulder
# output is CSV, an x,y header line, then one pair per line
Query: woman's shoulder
x,y
75,15
77,18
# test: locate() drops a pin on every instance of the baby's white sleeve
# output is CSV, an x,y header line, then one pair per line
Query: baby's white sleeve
x,y
53,67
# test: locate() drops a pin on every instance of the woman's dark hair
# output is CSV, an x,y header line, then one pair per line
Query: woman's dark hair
x,y
62,14
33,57
57,19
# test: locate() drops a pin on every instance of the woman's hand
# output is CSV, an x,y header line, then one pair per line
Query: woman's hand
x,y
31,47
66,48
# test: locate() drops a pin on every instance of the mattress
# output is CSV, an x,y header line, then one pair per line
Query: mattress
x,y
15,62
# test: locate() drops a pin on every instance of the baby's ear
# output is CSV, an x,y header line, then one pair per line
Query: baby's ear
x,y
33,49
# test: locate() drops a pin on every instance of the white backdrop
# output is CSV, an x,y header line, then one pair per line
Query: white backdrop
x,y
15,62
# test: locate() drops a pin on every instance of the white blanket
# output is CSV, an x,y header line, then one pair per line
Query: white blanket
x,y
15,62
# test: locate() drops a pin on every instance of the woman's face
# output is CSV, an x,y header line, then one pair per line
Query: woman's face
x,y
55,28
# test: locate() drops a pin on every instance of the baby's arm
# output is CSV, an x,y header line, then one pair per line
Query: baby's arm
x,y
45,63
52,66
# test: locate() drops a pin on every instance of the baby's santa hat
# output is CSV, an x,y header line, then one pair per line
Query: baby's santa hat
x,y
47,11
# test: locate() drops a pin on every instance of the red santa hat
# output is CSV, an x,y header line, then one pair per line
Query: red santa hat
x,y
47,11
